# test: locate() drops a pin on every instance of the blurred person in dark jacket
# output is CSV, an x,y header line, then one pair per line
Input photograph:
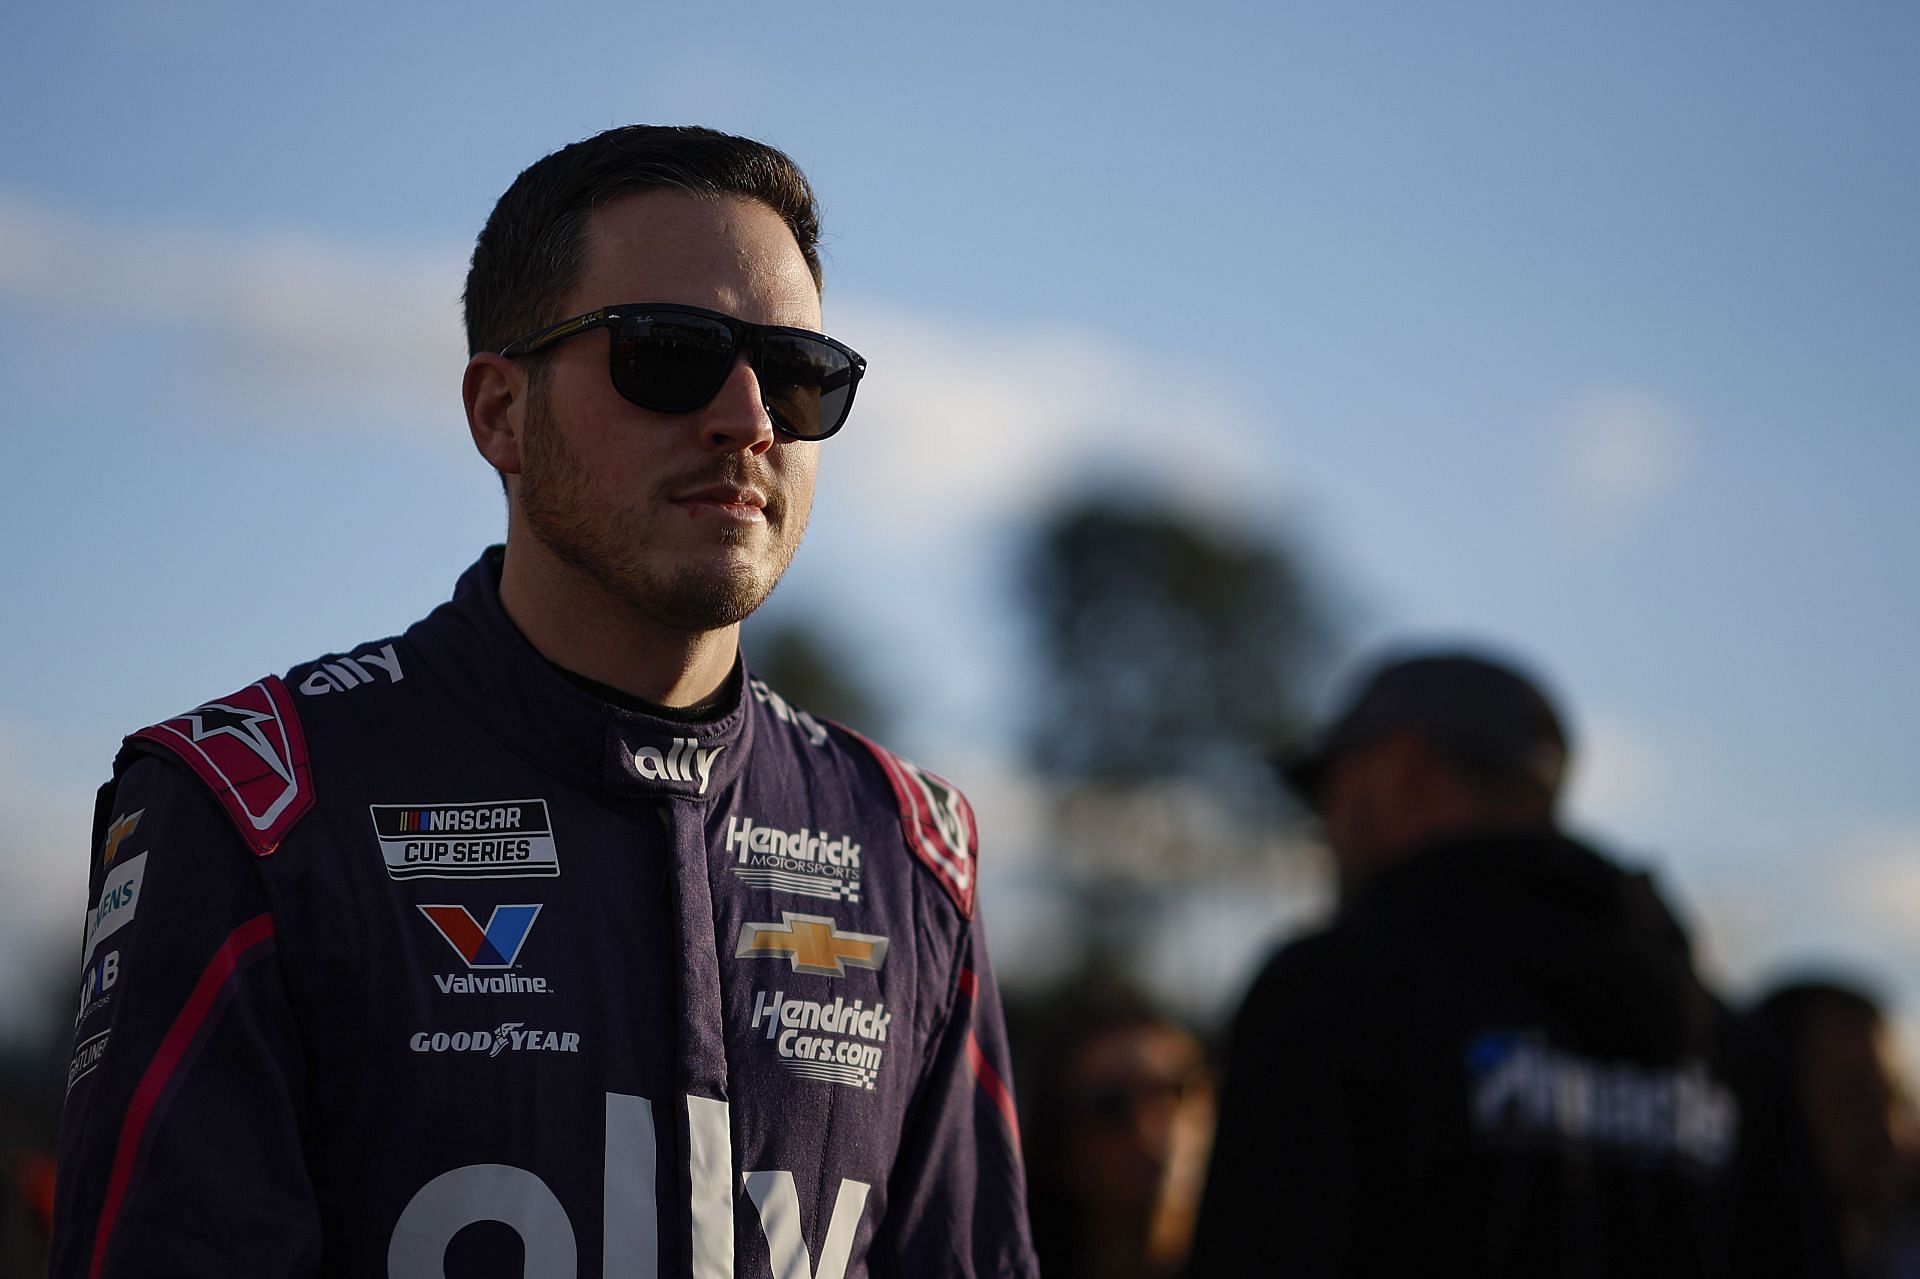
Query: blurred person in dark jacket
x,y
1117,1135
1859,1113
1497,1060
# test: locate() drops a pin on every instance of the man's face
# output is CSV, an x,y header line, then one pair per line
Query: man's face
x,y
688,519
1355,808
1852,1088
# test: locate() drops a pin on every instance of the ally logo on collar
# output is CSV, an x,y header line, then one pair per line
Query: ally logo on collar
x,y
685,760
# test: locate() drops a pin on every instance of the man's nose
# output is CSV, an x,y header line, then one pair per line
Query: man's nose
x,y
736,418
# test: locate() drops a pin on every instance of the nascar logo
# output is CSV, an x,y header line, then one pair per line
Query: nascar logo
x,y
490,839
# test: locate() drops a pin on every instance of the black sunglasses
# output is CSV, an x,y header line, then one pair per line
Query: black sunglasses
x,y
674,359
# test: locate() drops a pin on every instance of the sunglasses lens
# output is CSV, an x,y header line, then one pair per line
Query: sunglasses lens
x,y
675,362
670,363
807,384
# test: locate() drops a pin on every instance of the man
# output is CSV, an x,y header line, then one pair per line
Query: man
x,y
542,938
1497,1060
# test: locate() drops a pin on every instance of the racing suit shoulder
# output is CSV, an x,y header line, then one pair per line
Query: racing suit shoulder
x,y
180,1147
249,750
936,821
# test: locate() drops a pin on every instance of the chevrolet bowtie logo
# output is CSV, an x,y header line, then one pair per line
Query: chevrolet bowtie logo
x,y
117,834
812,944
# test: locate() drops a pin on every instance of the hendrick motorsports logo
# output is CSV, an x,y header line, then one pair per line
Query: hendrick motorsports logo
x,y
811,863
507,1037
488,839
836,1042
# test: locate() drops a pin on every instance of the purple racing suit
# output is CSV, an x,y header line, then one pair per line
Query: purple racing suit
x,y
425,961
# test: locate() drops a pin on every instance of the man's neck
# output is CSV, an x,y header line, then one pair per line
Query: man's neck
x,y
578,626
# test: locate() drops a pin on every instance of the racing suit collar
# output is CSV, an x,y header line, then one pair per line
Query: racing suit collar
x,y
472,646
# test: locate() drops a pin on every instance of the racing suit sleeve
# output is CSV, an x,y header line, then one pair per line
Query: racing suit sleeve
x,y
1280,1196
180,1141
958,1201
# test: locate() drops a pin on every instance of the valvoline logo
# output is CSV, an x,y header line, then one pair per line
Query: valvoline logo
x,y
495,946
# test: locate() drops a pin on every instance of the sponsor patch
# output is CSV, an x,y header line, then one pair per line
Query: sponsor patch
x,y
833,1041
119,899
486,839
496,946
118,833
684,760
787,713
86,1055
811,944
1526,1091
810,863
96,986
343,673
508,1037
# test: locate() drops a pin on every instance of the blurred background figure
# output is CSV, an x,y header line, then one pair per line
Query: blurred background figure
x,y
1498,1059
1859,1113
1118,1115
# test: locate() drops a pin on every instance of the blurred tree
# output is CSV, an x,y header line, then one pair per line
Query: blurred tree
x,y
1169,648
797,661
1175,660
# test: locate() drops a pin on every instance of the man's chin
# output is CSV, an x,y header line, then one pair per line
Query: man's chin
x,y
706,598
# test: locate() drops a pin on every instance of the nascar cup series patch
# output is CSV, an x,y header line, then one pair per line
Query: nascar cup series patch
x,y
482,839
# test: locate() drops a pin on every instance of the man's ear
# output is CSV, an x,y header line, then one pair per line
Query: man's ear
x,y
495,391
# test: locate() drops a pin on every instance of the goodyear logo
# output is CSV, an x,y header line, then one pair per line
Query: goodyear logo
x,y
486,839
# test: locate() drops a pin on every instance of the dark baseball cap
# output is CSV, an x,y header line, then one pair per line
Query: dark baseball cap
x,y
1468,706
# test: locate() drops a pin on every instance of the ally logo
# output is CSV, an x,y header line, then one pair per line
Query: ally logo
x,y
495,946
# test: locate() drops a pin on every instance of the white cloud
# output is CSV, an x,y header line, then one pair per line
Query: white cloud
x,y
1618,768
292,322
1620,451
1876,876
1849,903
957,424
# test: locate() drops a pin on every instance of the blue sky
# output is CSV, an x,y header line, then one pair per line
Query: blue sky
x,y
1591,333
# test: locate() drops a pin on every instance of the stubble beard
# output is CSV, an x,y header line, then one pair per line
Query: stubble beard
x,y
606,545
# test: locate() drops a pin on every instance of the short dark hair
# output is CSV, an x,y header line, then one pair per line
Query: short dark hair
x,y
1788,1012
529,253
